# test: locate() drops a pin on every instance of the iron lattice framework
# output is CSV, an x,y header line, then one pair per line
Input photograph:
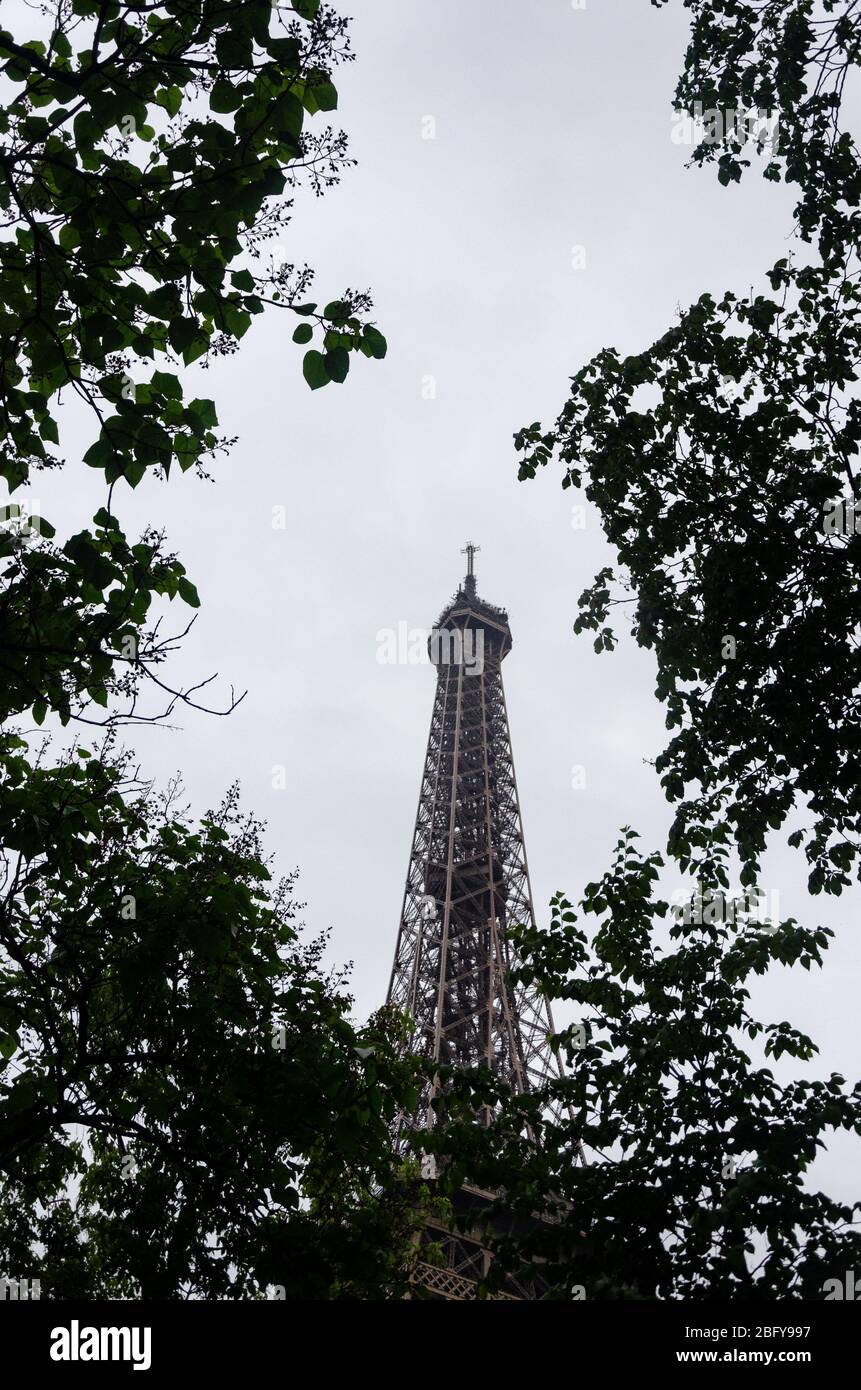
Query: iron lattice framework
x,y
468,878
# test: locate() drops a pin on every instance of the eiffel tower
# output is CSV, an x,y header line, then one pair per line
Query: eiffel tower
x,y
468,881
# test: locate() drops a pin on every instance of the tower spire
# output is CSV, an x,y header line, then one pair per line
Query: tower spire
x,y
469,550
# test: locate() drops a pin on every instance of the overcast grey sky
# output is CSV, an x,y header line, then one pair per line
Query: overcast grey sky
x,y
552,131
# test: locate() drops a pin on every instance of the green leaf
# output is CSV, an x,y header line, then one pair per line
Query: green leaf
x,y
196,349
133,471
337,363
224,96
373,339
188,592
304,333
99,454
337,311
170,98
204,411
286,51
323,96
237,320
182,332
314,370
